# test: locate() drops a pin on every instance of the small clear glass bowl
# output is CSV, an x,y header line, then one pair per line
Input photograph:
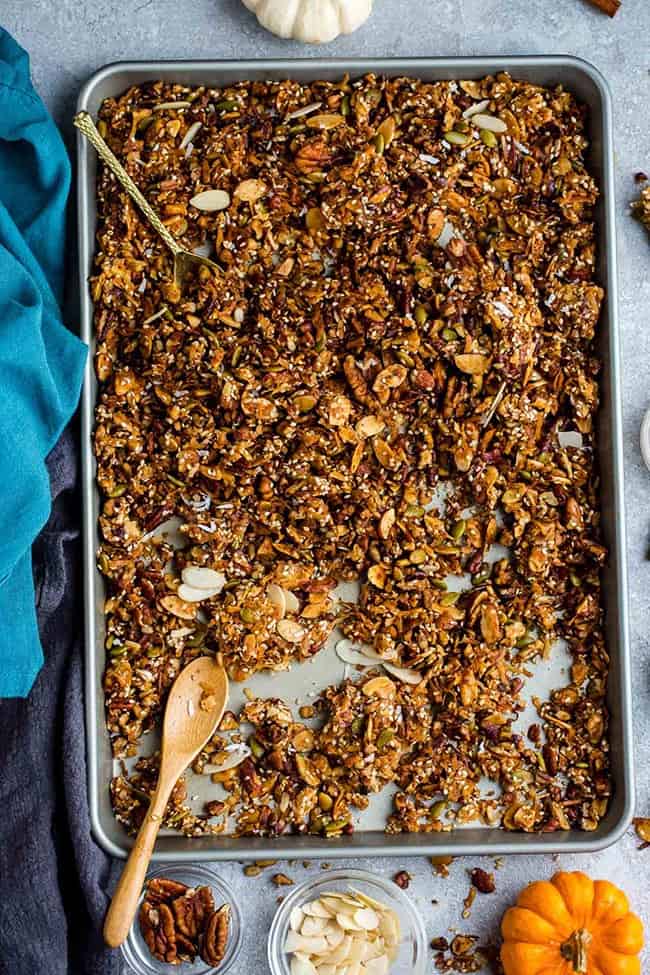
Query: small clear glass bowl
x,y
412,956
138,957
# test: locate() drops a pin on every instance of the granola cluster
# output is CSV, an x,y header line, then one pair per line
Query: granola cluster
x,y
393,381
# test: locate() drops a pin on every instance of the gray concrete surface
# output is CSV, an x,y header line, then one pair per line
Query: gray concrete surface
x,y
69,39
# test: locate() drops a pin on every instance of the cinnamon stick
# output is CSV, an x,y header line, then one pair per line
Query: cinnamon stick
x,y
608,7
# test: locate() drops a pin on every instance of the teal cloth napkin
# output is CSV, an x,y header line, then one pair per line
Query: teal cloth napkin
x,y
41,362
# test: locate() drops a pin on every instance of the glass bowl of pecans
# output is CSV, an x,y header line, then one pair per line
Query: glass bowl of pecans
x,y
347,920
187,920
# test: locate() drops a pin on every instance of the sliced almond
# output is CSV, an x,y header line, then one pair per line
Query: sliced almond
x,y
305,110
366,918
295,918
250,190
340,954
472,363
386,523
389,928
301,965
189,135
489,122
276,596
347,651
290,631
380,686
192,595
347,922
178,607
199,577
309,946
316,909
291,602
211,200
378,966
476,108
405,674
313,926
369,426
377,575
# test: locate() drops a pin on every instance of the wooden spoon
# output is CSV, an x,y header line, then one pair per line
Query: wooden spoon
x,y
196,702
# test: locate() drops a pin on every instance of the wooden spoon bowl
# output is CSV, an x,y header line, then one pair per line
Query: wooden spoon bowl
x,y
194,708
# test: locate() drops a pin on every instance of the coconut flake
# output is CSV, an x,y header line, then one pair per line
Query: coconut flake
x,y
570,438
503,309
446,234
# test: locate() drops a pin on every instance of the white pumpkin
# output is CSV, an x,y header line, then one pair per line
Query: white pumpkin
x,y
311,21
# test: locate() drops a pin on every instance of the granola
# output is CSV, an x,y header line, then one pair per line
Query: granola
x,y
408,301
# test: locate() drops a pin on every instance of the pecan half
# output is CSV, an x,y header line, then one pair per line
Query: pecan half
x,y
215,939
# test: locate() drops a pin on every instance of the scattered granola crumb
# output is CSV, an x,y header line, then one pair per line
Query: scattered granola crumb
x,y
441,865
483,881
642,829
402,878
281,880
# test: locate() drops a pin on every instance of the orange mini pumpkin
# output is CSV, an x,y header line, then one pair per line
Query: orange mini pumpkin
x,y
571,924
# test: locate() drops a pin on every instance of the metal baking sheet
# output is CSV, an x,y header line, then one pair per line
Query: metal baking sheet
x,y
306,679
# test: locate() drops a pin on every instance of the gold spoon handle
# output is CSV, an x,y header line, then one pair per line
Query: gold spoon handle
x,y
125,899
85,124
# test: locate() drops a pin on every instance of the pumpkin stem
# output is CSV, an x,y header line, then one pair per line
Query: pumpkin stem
x,y
575,949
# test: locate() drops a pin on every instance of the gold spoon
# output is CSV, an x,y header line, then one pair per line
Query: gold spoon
x,y
183,259
194,708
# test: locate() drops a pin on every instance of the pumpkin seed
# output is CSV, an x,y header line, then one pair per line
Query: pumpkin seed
x,y
357,725
488,138
449,335
456,138
246,615
345,105
420,314
324,121
458,529
325,802
226,105
405,358
449,598
418,556
256,747
117,491
482,576
386,735
439,807
336,826
379,144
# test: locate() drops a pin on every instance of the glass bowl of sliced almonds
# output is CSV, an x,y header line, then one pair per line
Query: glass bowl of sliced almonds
x,y
347,922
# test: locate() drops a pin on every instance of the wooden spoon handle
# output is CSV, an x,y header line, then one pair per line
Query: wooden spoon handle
x,y
125,899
